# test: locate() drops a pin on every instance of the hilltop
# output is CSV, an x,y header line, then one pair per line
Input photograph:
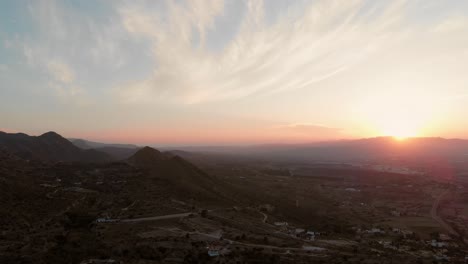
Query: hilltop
x,y
184,178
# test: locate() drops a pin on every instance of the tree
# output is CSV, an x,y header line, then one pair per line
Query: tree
x,y
204,213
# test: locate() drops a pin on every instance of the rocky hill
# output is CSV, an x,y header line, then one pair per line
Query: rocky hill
x,y
185,178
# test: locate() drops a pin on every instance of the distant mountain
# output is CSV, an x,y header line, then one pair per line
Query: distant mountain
x,y
148,157
116,151
376,148
86,144
48,147
353,150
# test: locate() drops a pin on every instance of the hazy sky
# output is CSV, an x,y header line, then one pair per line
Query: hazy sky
x,y
214,72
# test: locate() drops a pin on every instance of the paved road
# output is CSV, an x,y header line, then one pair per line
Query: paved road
x,y
154,218
436,217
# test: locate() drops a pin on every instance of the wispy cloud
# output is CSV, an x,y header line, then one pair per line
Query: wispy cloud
x,y
303,47
68,47
61,72
308,43
166,63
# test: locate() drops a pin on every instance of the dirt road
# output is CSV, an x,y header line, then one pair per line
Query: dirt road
x,y
436,217
154,218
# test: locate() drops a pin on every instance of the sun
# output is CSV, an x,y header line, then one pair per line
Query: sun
x,y
398,112
400,129
400,137
400,126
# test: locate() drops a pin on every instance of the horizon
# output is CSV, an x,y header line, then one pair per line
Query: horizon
x,y
228,73
208,145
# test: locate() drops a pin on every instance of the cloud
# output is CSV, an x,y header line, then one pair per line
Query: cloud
x,y
61,72
304,46
453,24
157,52
72,50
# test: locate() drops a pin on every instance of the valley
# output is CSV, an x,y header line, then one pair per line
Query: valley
x,y
158,207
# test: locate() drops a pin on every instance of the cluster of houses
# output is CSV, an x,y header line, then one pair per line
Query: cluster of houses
x,y
107,220
297,232
438,244
217,248
100,261
379,231
373,230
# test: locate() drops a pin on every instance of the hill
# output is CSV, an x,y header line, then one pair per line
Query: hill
x,y
48,147
184,178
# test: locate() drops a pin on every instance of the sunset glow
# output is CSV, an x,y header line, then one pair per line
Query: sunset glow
x,y
400,129
202,72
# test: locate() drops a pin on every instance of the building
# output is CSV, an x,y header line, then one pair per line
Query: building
x,y
396,213
375,231
215,248
99,261
281,224
311,235
299,230
435,243
106,220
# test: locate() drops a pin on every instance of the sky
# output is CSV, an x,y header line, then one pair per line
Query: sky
x,y
204,72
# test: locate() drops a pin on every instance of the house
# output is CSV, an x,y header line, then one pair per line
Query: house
x,y
435,243
213,252
444,237
215,248
106,220
375,231
281,224
407,233
441,257
267,208
310,235
299,230
395,213
98,261
387,244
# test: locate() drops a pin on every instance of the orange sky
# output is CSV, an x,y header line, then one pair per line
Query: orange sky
x,y
234,72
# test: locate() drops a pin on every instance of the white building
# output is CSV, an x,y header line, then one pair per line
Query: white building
x,y
435,243
281,224
299,230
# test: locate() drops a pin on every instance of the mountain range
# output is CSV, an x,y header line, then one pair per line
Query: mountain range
x,y
116,151
164,168
49,146
351,150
